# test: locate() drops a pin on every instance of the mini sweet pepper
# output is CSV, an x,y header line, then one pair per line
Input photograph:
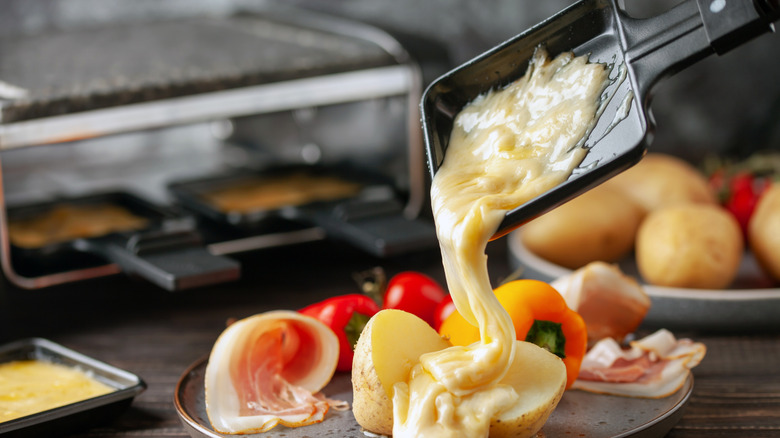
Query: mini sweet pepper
x,y
346,315
540,315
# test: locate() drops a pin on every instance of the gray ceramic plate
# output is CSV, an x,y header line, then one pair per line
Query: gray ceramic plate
x,y
749,305
578,414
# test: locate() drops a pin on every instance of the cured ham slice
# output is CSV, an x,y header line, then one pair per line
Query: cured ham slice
x,y
267,370
653,367
611,303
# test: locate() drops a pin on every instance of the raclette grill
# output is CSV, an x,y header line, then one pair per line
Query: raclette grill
x,y
119,78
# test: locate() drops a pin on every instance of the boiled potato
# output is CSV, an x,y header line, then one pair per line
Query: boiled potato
x,y
391,345
689,246
539,377
764,231
660,180
599,225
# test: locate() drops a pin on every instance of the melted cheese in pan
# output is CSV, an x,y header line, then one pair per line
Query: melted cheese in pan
x,y
31,386
67,222
507,147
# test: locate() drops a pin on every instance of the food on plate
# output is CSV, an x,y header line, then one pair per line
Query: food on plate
x,y
539,379
268,369
346,315
739,183
273,192
764,231
697,246
600,224
611,303
67,222
506,147
539,315
31,386
415,293
653,367
390,345
660,180
742,195
410,291
443,310
671,252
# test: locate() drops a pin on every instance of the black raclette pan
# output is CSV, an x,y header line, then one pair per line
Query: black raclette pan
x,y
371,219
640,51
193,194
78,416
167,251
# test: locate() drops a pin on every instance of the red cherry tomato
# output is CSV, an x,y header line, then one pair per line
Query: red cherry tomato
x,y
415,293
443,310
744,191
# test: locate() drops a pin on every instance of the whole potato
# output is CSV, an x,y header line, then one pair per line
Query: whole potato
x,y
764,231
689,246
659,180
599,225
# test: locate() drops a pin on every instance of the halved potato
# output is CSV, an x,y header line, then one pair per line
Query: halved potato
x,y
391,345
539,378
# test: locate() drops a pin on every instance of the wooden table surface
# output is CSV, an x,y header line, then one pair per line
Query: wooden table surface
x,y
157,335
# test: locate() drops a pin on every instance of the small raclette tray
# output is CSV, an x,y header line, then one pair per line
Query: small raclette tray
x,y
74,416
167,252
640,53
155,216
193,194
371,218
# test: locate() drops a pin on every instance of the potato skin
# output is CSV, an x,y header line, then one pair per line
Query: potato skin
x,y
697,246
538,376
764,231
661,180
389,346
371,405
599,225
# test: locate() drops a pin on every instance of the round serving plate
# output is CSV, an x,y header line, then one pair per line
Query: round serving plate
x,y
578,414
742,308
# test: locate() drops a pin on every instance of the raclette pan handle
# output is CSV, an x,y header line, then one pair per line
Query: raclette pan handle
x,y
173,260
663,45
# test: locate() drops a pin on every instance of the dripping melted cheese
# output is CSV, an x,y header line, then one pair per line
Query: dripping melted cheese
x,y
506,147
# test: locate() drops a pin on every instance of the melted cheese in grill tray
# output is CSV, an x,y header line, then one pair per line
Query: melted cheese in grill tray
x,y
31,386
507,147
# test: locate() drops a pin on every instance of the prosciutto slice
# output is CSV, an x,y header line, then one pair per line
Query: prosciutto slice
x,y
266,370
653,367
611,303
